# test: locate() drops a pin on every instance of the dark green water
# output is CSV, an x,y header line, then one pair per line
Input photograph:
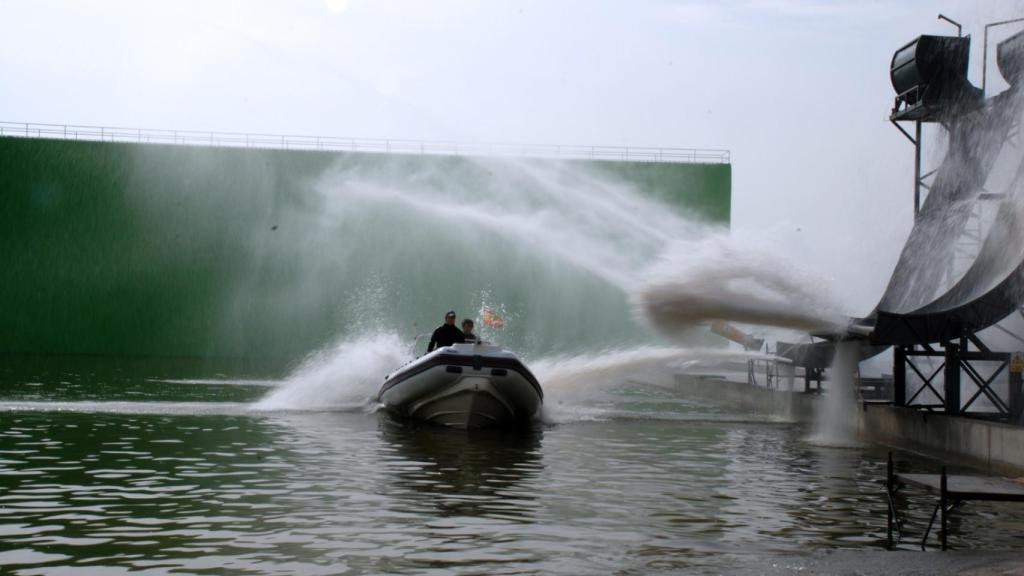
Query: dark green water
x,y
109,466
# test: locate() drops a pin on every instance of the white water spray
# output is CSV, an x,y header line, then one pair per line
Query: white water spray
x,y
551,209
537,220
835,423
488,224
575,385
720,277
343,378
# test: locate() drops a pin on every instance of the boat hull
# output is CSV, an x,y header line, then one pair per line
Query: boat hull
x,y
464,386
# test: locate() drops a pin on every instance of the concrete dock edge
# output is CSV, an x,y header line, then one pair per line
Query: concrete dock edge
x,y
994,447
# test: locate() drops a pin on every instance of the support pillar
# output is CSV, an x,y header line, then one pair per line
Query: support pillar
x,y
943,502
1016,391
952,379
889,485
917,169
899,376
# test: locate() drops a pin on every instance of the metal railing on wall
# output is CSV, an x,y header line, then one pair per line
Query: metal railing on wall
x,y
370,145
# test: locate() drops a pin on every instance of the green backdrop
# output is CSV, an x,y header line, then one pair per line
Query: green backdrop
x,y
139,249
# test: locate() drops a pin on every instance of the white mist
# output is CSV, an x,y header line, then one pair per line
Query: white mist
x,y
345,377
835,422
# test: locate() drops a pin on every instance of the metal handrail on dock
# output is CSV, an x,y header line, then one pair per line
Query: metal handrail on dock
x,y
369,145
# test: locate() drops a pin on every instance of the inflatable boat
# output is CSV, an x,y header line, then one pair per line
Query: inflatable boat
x,y
464,386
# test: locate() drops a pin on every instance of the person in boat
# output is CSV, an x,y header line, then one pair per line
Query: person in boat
x,y
467,331
446,334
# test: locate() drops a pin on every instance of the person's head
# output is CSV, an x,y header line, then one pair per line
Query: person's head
x,y
467,325
449,318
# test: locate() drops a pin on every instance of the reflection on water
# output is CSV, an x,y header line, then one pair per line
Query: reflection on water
x,y
113,379
660,483
482,473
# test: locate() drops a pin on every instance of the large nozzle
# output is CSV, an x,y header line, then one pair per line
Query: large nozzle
x,y
726,330
929,75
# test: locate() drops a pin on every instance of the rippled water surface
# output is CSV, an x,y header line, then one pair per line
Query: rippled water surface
x,y
102,473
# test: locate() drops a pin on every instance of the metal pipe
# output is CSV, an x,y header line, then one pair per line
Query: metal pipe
x,y
905,133
917,169
959,28
860,329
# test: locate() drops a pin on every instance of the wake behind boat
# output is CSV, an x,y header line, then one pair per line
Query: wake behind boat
x,y
464,386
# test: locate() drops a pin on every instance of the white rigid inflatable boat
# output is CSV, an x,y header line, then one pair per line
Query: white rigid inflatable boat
x,y
464,386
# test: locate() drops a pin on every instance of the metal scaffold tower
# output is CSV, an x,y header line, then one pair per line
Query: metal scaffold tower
x,y
929,75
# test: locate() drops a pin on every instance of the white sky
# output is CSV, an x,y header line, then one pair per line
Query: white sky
x,y
798,90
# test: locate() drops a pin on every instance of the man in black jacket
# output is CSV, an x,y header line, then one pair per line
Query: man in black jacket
x,y
446,334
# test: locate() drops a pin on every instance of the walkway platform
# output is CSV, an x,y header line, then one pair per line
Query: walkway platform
x,y
953,490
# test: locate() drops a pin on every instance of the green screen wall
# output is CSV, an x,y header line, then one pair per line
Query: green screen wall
x,y
138,249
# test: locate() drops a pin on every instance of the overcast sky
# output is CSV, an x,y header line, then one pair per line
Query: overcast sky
x,y
798,90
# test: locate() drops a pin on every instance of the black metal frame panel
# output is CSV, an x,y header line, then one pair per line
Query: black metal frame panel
x,y
959,359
